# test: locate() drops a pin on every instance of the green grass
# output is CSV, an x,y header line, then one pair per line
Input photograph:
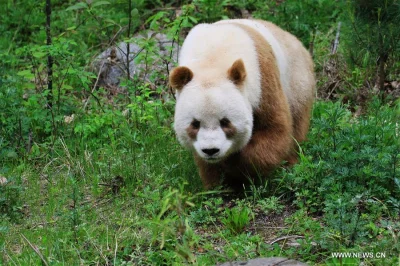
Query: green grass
x,y
114,187
71,205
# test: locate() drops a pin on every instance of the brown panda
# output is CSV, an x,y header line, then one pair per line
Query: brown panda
x,y
244,91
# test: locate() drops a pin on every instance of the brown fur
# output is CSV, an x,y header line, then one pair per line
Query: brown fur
x,y
229,130
275,124
192,132
179,77
301,113
237,72
210,174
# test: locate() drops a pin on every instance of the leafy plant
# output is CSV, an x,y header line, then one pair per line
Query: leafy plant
x,y
61,162
305,19
237,219
171,227
346,170
373,43
269,205
10,200
208,213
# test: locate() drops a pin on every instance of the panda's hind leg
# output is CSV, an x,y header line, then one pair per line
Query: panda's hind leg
x,y
301,124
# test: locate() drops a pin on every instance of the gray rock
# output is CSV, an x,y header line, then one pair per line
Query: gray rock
x,y
273,261
149,53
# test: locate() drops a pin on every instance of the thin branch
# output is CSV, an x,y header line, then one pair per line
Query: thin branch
x,y
37,251
50,67
128,35
41,87
336,42
284,238
365,44
311,45
172,49
94,87
49,57
112,41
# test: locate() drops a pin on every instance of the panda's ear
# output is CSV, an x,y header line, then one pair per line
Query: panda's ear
x,y
237,72
179,77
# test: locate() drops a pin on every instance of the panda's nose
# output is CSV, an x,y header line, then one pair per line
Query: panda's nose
x,y
210,152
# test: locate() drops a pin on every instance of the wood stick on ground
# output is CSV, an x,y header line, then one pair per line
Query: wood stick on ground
x,y
336,42
284,238
37,251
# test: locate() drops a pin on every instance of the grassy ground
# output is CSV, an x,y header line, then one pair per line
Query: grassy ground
x,y
138,200
98,177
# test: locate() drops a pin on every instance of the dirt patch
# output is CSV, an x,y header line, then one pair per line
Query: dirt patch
x,y
270,226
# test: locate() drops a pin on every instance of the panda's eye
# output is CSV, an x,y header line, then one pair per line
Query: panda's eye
x,y
195,124
224,122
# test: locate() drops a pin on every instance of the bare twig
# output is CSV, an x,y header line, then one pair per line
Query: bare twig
x,y
128,33
271,227
49,57
42,224
37,251
336,83
9,258
177,54
116,35
49,96
311,45
94,86
284,238
115,250
336,42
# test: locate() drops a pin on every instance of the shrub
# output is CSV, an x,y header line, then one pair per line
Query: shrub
x,y
349,166
237,219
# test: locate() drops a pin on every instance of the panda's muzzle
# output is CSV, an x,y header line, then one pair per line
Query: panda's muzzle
x,y
210,152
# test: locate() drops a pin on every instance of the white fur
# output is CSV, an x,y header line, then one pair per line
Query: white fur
x,y
277,50
209,106
210,50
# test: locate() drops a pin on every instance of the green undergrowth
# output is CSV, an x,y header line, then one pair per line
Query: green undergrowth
x,y
90,176
134,198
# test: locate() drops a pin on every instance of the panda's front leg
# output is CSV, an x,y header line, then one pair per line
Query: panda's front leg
x,y
268,147
210,174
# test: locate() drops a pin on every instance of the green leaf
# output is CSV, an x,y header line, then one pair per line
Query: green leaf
x,y
26,74
80,5
110,21
100,3
135,13
29,85
67,87
39,54
194,20
12,155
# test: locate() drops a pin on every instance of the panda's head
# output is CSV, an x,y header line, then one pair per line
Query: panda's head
x,y
212,118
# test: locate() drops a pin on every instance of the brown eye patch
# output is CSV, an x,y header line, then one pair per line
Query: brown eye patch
x,y
193,129
195,124
224,122
227,127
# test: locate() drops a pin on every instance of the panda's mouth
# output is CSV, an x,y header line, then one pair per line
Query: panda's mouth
x,y
212,159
